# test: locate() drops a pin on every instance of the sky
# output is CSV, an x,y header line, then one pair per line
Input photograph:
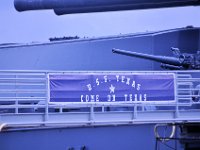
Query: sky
x,y
39,26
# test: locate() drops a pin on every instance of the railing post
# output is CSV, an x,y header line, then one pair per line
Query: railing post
x,y
103,108
176,97
135,112
91,113
16,106
16,101
47,97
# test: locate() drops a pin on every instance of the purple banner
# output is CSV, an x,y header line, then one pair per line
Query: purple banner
x,y
115,87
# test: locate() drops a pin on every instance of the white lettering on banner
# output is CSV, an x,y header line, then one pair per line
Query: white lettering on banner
x,y
130,97
123,79
97,81
89,87
133,84
105,79
89,98
117,76
125,96
112,97
97,98
138,86
128,81
145,97
135,95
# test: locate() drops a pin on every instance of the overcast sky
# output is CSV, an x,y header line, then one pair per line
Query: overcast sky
x,y
37,26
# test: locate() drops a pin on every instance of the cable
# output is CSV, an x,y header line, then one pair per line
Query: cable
x,y
168,146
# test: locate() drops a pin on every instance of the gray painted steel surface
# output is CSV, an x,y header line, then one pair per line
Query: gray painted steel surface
x,y
83,6
138,137
96,54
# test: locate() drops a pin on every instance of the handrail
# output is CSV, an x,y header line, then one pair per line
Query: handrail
x,y
25,94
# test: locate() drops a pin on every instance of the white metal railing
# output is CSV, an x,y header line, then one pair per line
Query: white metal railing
x,y
24,99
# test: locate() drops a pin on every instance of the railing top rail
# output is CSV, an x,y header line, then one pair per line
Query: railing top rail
x,y
100,71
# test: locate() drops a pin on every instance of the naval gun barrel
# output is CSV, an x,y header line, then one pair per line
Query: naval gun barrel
x,y
162,59
83,6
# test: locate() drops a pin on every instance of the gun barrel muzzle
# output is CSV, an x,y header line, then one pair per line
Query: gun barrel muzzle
x,y
162,59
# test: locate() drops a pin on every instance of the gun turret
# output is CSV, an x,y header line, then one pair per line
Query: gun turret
x,y
180,62
84,6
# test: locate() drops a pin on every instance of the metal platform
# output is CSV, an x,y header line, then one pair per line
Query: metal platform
x,y
24,102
